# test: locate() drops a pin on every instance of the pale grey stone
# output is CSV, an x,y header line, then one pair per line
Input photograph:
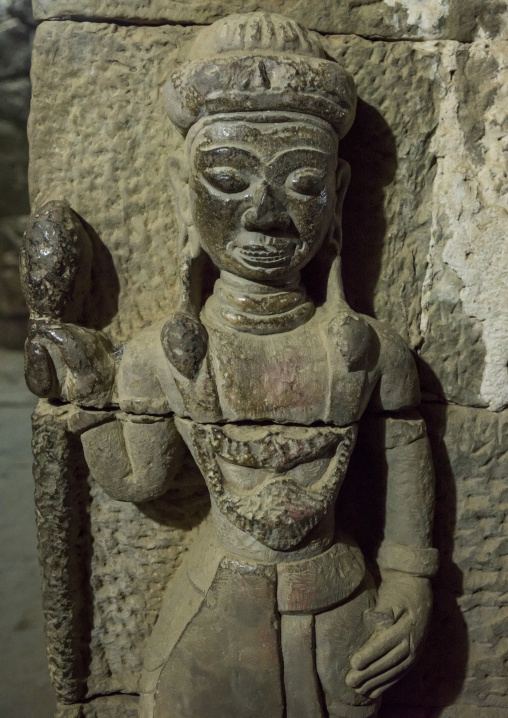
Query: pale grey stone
x,y
465,296
424,151
389,19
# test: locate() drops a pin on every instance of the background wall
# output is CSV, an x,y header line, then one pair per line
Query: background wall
x,y
17,29
424,245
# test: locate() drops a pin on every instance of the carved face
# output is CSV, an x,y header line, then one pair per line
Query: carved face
x,y
263,194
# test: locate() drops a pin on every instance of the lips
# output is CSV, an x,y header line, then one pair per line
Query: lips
x,y
266,251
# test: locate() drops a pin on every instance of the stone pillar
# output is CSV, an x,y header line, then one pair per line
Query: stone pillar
x,y
424,250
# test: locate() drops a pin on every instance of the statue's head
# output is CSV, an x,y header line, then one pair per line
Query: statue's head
x,y
262,109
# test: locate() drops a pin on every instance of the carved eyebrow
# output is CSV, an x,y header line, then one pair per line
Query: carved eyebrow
x,y
290,150
231,150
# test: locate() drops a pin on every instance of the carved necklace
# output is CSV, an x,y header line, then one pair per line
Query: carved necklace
x,y
258,308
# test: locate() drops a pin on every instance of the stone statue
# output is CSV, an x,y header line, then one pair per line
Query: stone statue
x,y
274,611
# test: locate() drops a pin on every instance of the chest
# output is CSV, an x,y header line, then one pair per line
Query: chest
x,y
297,377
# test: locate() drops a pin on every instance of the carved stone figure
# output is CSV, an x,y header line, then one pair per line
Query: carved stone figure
x,y
274,611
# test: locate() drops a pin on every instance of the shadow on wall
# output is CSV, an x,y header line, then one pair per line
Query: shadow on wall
x,y
438,678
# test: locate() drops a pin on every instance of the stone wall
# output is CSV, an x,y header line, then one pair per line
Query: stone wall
x,y
17,28
424,246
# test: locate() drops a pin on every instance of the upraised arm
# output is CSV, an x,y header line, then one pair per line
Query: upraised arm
x,y
134,454
133,457
62,359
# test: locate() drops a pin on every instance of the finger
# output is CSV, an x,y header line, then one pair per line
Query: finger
x,y
40,373
377,620
356,679
381,689
377,646
70,349
381,683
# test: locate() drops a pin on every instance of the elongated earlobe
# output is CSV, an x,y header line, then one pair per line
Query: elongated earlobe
x,y
189,248
342,183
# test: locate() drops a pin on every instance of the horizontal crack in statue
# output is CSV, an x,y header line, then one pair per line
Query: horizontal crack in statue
x,y
273,612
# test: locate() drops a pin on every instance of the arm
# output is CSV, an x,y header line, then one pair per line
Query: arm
x,y
133,457
405,557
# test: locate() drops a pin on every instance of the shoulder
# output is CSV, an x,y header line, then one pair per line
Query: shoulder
x,y
398,386
352,337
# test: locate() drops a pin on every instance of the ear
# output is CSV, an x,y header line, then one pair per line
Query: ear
x,y
342,183
188,243
189,251
335,291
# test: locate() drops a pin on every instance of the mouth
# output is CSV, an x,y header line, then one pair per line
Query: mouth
x,y
265,252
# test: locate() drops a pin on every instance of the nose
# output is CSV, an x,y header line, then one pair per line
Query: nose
x,y
267,213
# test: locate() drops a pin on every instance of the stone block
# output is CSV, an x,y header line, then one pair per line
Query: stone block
x,y
465,298
469,711
387,217
109,158
388,19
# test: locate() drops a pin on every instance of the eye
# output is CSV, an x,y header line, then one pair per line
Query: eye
x,y
226,179
307,181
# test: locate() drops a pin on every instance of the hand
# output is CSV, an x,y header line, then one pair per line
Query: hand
x,y
64,361
399,623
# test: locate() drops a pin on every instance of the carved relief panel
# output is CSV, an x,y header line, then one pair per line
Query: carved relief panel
x,y
262,374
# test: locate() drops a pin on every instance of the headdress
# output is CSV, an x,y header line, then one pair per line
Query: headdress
x,y
257,62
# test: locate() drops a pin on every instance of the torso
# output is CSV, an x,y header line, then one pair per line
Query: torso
x,y
299,377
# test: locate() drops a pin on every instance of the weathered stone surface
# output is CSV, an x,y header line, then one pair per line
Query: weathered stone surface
x,y
457,711
427,174
393,212
112,77
453,19
105,563
120,706
405,228
386,209
398,215
465,299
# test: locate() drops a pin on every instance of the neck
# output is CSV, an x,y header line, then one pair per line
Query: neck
x,y
238,543
259,307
